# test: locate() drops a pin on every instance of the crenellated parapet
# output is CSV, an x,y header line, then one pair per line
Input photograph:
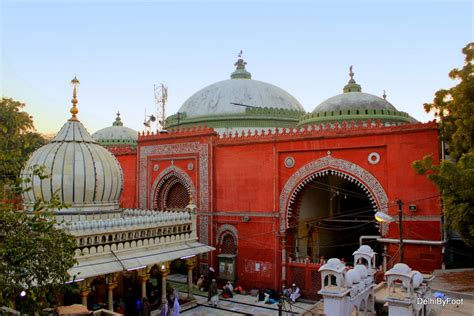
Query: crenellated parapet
x,y
195,131
327,129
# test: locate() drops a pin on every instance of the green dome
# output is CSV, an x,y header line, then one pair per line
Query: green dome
x,y
117,134
355,105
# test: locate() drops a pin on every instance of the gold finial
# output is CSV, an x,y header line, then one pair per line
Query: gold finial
x,y
351,74
74,101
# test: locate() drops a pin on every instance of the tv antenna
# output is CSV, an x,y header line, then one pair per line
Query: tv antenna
x,y
161,98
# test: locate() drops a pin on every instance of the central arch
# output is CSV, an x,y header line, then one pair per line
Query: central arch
x,y
339,167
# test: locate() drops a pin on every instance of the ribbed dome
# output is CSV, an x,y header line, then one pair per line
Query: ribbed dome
x,y
237,99
117,134
85,175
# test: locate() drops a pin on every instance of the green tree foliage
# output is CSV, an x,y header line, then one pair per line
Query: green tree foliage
x,y
454,109
35,254
17,139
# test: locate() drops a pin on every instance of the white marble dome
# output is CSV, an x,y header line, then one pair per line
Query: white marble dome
x,y
354,101
116,135
239,102
85,175
217,98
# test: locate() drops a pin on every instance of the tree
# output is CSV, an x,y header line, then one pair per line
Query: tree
x,y
454,109
35,255
17,140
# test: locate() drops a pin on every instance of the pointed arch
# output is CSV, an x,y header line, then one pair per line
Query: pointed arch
x,y
331,165
169,178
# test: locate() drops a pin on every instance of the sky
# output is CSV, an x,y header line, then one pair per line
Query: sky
x,y
120,49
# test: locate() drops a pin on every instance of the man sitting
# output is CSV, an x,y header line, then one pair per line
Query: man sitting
x,y
228,290
295,293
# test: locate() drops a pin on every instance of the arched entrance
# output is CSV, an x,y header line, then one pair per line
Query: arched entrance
x,y
325,206
172,190
329,214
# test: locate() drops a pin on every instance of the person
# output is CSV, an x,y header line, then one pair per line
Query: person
x,y
176,306
165,310
295,293
213,295
200,283
322,260
285,291
228,290
211,275
260,295
120,306
146,308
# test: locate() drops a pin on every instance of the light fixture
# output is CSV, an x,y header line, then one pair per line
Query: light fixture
x,y
22,293
136,268
382,217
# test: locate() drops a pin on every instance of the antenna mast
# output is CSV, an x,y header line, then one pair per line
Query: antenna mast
x,y
161,98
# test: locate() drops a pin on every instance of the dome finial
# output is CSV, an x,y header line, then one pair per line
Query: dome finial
x,y
240,71
352,86
384,95
75,82
118,120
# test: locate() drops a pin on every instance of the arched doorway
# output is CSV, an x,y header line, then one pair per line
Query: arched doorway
x,y
325,206
329,214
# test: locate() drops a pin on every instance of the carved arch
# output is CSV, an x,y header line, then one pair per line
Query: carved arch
x,y
331,165
227,229
173,174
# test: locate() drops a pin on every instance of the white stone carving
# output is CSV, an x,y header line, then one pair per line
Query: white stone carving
x,y
289,162
373,158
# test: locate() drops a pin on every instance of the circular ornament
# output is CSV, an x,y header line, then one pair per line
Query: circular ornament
x,y
156,167
190,166
289,162
373,158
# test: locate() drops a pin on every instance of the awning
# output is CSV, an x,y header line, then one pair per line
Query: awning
x,y
101,264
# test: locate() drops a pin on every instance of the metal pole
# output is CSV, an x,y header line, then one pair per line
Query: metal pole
x,y
400,228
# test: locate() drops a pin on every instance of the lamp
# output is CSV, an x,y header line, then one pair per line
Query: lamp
x,y
382,217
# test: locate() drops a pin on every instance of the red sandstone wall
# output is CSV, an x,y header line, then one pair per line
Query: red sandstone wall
x,y
128,162
250,174
247,175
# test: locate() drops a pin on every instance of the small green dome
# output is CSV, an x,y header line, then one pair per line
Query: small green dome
x,y
355,105
117,134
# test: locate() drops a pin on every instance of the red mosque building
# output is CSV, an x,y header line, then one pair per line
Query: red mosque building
x,y
277,189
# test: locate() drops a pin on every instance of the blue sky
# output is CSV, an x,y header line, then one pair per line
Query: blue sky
x,y
119,49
